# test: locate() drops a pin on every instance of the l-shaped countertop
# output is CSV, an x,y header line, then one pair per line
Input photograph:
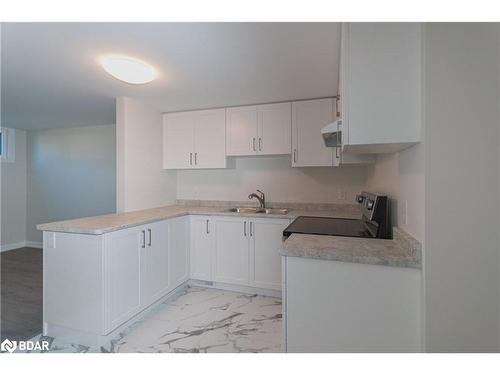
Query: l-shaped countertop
x,y
402,251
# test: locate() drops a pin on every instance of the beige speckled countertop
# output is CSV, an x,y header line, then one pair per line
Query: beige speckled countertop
x,y
402,251
108,223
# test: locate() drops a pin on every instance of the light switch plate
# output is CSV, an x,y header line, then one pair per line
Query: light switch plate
x,y
341,195
51,240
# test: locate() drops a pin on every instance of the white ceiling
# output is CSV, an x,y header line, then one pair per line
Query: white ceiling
x,y
50,77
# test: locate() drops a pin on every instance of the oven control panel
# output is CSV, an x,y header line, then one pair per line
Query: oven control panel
x,y
371,204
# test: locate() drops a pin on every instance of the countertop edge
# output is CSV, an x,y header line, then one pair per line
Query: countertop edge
x,y
65,226
401,239
53,227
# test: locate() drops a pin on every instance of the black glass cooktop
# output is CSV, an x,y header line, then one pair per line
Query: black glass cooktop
x,y
329,226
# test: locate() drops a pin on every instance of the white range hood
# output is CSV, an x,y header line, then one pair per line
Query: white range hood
x,y
332,135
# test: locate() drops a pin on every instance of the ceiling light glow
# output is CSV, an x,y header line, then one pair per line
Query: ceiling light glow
x,y
128,69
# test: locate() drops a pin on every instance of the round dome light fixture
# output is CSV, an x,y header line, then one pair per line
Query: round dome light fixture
x,y
128,69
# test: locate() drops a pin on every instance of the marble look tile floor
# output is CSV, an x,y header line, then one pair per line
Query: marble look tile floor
x,y
200,320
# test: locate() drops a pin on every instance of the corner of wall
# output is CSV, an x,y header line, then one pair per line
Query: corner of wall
x,y
141,181
401,176
120,154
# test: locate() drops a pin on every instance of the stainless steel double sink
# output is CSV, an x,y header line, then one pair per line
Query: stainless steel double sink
x,y
256,210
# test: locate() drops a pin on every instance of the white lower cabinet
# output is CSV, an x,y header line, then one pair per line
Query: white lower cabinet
x,y
246,251
136,270
94,284
355,307
123,260
127,271
231,250
154,259
201,248
265,261
178,249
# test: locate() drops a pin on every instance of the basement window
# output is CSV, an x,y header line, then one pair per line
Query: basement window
x,y
7,144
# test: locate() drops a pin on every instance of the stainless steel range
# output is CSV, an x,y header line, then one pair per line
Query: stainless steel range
x,y
374,223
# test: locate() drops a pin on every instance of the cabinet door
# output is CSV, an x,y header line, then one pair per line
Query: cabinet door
x,y
382,79
241,130
265,261
231,250
201,248
275,129
155,280
122,276
308,117
178,144
342,156
210,139
178,248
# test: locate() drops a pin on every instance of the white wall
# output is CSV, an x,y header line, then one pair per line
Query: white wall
x,y
401,176
13,180
275,176
71,174
141,181
461,187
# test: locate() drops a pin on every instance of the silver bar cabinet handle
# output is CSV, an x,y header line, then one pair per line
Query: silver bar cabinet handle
x,y
190,158
253,144
339,140
260,144
295,155
143,239
195,158
149,232
208,231
337,100
251,231
245,228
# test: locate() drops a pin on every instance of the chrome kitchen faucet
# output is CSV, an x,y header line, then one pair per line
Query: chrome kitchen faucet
x,y
261,198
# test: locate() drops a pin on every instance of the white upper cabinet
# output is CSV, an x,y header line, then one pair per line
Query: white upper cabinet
x,y
210,139
178,142
274,129
308,117
241,131
258,130
194,139
381,72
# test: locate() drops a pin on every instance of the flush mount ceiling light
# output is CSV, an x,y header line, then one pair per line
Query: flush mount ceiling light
x,y
128,69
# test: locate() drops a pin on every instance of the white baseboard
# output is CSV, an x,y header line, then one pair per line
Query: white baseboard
x,y
37,245
17,245
12,246
235,288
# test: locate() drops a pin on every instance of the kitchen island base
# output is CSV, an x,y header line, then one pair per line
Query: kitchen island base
x,y
333,306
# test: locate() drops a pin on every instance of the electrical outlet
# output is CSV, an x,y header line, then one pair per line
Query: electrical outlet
x,y
404,212
341,195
